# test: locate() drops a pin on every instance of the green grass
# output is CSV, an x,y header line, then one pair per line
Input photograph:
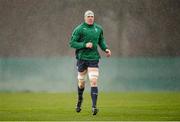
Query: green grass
x,y
113,106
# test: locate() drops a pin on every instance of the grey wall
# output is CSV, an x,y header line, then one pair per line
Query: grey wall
x,y
131,27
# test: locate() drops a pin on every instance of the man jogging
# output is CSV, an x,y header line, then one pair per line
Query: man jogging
x,y
85,39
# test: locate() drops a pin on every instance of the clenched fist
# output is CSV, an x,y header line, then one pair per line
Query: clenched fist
x,y
89,45
108,52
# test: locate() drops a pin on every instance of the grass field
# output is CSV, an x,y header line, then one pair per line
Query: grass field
x,y
113,106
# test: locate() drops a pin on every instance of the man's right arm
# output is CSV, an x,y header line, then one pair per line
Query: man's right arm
x,y
74,40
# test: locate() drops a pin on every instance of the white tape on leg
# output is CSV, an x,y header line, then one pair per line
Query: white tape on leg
x,y
93,74
81,80
81,77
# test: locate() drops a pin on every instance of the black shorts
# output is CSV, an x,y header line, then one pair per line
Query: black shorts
x,y
84,64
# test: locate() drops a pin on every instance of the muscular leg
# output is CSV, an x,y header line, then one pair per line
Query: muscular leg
x,y
81,85
81,79
93,77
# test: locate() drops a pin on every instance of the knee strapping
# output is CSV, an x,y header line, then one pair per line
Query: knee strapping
x,y
93,75
81,80
81,77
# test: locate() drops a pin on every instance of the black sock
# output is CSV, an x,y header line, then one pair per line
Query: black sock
x,y
80,93
94,94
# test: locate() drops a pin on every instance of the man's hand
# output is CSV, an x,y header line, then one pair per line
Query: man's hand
x,y
108,53
89,45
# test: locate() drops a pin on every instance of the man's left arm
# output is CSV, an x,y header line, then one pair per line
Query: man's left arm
x,y
103,45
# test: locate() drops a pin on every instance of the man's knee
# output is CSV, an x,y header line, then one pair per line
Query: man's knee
x,y
81,79
81,84
93,82
93,77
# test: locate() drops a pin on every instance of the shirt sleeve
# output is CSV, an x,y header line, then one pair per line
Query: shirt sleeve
x,y
102,42
74,42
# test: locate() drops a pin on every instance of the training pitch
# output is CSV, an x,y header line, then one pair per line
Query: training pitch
x,y
112,106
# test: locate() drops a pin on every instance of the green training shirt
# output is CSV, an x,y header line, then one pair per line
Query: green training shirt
x,y
83,34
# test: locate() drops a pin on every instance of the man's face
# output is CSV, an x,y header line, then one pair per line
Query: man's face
x,y
89,20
